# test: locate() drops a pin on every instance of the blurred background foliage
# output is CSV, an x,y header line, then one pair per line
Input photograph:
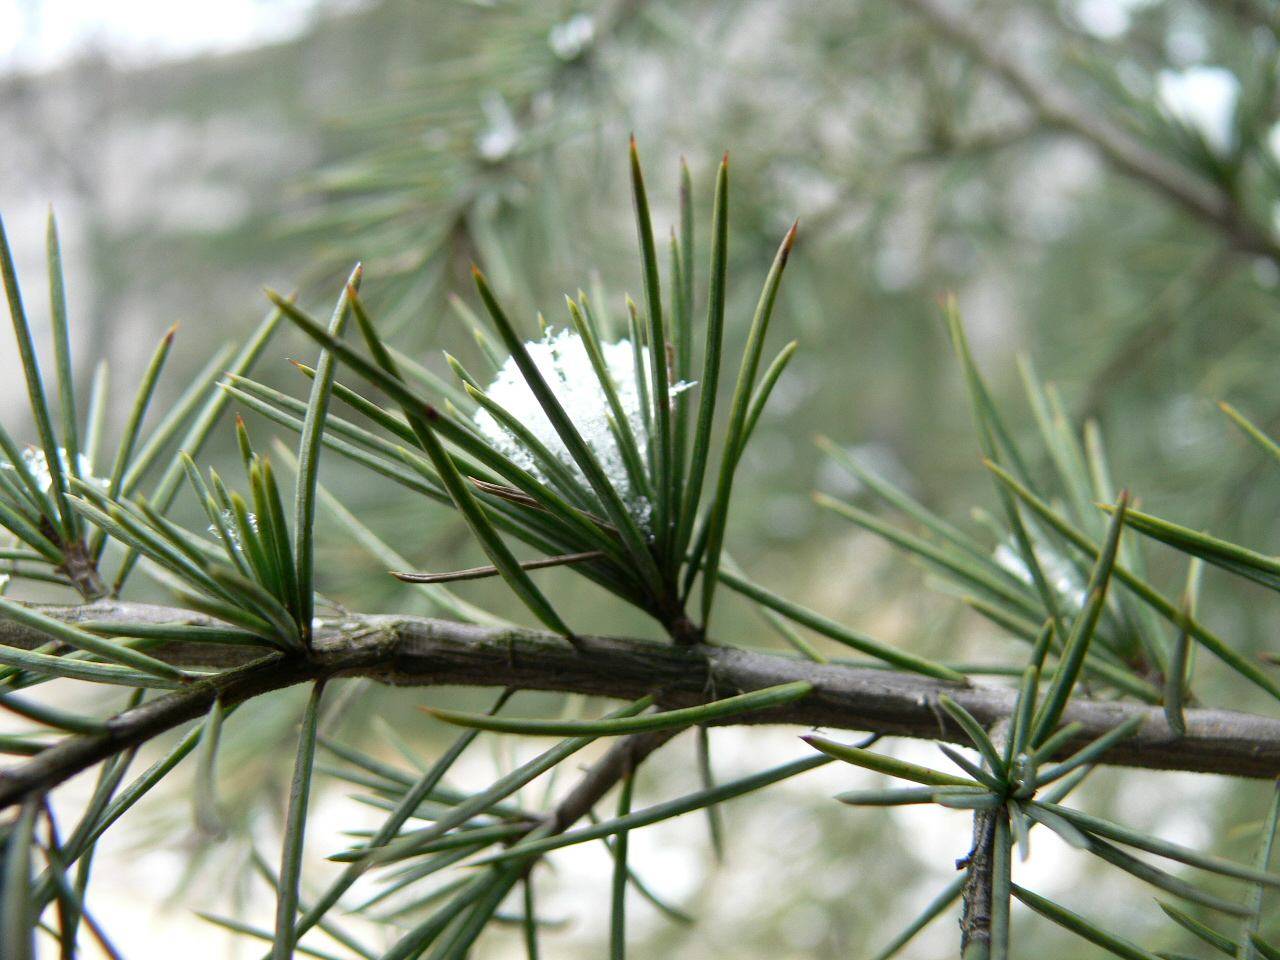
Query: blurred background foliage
x,y
1096,180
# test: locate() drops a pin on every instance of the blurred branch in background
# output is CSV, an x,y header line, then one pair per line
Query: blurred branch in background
x,y
1056,108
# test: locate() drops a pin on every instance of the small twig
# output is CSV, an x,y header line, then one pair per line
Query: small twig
x,y
625,755
479,573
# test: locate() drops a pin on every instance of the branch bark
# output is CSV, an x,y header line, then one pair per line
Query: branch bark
x,y
978,896
975,917
626,754
418,651
1055,108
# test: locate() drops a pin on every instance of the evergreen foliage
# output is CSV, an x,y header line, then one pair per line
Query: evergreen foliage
x,y
146,601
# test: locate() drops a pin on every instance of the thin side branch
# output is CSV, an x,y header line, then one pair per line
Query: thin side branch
x,y
975,919
480,573
1131,156
418,651
978,896
626,754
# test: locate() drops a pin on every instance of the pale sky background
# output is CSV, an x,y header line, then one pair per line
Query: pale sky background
x,y
37,36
